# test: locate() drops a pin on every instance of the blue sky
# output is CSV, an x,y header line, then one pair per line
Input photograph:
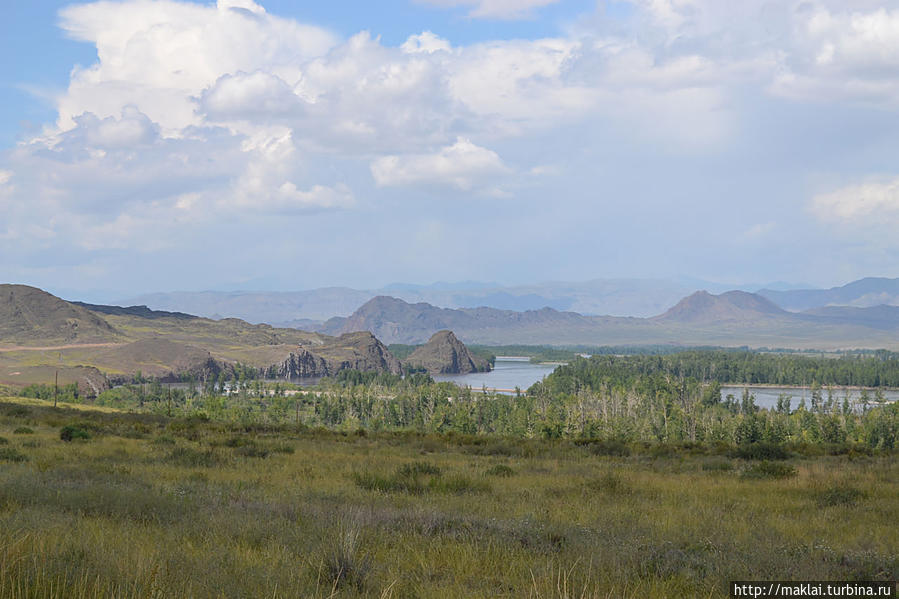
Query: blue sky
x,y
175,145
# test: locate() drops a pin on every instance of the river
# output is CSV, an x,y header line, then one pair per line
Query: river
x,y
508,372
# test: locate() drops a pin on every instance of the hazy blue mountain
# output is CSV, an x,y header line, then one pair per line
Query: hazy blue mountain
x,y
615,297
864,293
734,318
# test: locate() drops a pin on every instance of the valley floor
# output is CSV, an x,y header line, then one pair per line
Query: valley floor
x,y
149,506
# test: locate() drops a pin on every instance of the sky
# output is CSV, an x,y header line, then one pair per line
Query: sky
x,y
176,145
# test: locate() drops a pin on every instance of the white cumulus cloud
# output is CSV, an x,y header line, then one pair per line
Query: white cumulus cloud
x,y
870,201
461,165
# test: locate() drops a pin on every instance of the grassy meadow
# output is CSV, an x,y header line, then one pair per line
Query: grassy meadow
x,y
140,505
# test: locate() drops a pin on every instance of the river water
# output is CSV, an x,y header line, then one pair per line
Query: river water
x,y
508,373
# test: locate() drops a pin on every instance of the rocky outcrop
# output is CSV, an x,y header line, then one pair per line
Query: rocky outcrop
x,y
444,354
352,351
300,365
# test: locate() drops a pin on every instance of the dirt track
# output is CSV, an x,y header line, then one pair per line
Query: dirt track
x,y
55,347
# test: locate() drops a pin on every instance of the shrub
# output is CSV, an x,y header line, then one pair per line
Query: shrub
x,y
761,451
605,447
23,430
384,484
717,465
500,470
8,454
345,563
838,495
767,469
252,451
416,468
4,441
417,478
69,433
283,448
16,411
164,440
186,456
608,483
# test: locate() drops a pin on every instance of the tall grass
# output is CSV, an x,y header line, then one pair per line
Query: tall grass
x,y
152,507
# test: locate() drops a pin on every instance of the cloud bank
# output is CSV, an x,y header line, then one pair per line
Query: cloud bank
x,y
198,116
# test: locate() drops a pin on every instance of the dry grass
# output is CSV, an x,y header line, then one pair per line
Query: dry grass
x,y
150,507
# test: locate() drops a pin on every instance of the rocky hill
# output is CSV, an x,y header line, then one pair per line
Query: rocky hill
x,y
703,307
395,321
30,316
41,334
445,354
141,311
352,351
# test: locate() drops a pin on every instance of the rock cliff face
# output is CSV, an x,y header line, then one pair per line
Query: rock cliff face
x,y
353,351
444,354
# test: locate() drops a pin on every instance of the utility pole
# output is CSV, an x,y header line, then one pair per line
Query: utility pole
x,y
56,380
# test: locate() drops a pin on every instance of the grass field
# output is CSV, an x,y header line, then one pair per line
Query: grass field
x,y
155,507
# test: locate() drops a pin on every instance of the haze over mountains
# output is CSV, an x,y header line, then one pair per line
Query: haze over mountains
x,y
864,293
618,297
627,311
734,318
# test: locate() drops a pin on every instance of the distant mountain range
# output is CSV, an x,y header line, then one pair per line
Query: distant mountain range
x,y
864,293
619,297
94,345
734,318
609,297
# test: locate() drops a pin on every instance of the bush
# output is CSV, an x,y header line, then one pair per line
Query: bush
x,y
8,454
345,564
717,465
287,448
386,484
458,485
69,433
838,495
23,430
416,468
609,482
185,456
761,451
252,451
500,470
4,441
605,447
417,478
767,469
